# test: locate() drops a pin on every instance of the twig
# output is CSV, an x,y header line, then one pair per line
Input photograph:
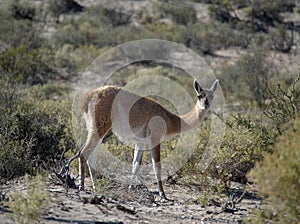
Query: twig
x,y
64,174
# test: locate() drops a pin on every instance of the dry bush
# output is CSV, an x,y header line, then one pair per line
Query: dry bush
x,y
34,133
29,208
278,178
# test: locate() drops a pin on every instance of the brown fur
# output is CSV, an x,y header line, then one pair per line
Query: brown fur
x,y
148,122
141,112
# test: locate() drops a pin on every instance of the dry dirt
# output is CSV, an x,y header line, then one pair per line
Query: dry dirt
x,y
139,205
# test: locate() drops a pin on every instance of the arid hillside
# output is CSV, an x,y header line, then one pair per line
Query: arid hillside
x,y
241,165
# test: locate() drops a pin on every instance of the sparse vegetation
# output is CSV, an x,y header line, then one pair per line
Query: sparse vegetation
x,y
30,208
26,65
254,74
43,46
179,12
34,134
278,179
59,7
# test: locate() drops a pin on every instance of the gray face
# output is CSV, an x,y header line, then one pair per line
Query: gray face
x,y
205,99
205,96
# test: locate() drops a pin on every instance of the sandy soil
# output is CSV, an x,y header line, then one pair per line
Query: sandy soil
x,y
139,205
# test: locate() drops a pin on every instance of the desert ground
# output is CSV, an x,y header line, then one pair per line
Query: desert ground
x,y
140,204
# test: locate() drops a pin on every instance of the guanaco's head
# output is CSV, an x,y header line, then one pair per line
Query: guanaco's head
x,y
205,96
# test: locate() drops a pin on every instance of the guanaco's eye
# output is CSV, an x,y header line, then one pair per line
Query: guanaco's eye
x,y
201,95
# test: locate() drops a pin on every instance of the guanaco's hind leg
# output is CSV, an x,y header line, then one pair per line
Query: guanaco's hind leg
x,y
155,156
88,150
91,162
137,161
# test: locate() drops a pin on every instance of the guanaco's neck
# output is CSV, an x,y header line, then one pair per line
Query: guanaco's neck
x,y
188,121
191,119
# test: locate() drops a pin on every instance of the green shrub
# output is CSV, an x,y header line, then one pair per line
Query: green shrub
x,y
207,38
25,65
102,27
261,22
278,178
144,15
59,7
157,30
118,17
178,11
29,208
77,59
257,82
246,141
268,11
34,132
107,16
223,10
279,39
260,12
200,38
22,10
256,73
283,105
81,31
93,28
103,184
236,156
18,32
252,74
18,26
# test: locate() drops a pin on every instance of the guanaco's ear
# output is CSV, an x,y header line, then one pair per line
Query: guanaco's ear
x,y
214,86
197,87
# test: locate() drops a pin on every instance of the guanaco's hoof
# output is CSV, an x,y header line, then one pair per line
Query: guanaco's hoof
x,y
163,196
